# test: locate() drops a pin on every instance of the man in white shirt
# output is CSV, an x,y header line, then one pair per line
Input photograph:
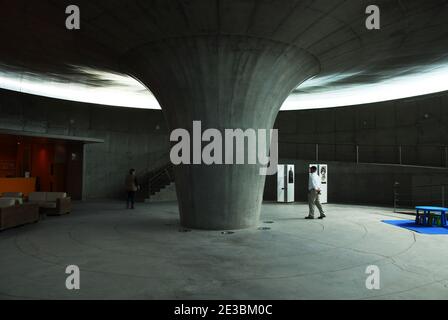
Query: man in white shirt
x,y
313,194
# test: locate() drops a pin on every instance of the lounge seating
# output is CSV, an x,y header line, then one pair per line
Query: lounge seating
x,y
12,215
51,203
12,195
17,196
6,203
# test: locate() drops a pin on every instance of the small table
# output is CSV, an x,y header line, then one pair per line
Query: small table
x,y
427,211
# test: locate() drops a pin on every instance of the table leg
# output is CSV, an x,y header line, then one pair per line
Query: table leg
x,y
417,218
443,218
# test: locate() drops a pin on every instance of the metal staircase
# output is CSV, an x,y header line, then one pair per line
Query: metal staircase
x,y
156,180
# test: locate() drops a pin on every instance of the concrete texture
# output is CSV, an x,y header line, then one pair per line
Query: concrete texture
x,y
226,82
418,124
413,33
395,123
132,138
167,193
230,64
141,254
371,184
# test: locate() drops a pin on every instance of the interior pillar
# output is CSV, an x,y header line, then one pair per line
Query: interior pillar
x,y
226,82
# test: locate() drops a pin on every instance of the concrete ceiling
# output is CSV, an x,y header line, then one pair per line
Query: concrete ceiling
x,y
413,39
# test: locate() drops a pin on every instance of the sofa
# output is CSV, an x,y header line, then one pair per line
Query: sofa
x,y
51,203
17,196
13,215
12,195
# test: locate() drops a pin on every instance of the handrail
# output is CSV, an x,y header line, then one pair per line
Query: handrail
x,y
161,157
363,145
401,154
412,199
431,185
161,172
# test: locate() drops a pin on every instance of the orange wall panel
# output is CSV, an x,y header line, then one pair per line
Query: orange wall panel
x,y
24,185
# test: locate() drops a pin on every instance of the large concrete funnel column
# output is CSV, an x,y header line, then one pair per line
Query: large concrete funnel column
x,y
226,82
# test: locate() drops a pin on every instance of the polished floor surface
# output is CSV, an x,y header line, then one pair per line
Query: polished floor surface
x,y
145,254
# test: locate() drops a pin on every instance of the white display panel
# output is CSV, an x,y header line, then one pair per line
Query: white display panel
x,y
322,171
285,183
290,183
281,194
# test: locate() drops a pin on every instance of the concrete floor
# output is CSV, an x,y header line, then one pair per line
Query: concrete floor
x,y
141,254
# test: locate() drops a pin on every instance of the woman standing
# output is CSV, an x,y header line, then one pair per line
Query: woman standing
x,y
131,188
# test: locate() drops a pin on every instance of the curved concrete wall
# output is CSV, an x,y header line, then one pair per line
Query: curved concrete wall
x,y
369,184
379,128
132,138
417,122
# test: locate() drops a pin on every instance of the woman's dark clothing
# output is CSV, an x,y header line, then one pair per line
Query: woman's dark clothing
x,y
130,200
131,187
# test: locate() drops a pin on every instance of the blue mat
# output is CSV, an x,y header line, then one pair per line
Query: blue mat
x,y
410,225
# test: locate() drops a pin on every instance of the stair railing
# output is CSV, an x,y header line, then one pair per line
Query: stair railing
x,y
158,175
397,154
